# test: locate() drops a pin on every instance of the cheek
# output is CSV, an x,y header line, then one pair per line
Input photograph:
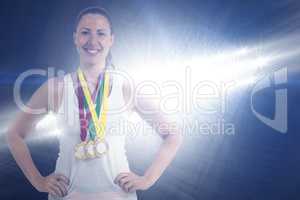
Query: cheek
x,y
107,42
81,41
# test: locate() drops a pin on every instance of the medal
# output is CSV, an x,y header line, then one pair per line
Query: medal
x,y
89,149
101,147
80,151
92,120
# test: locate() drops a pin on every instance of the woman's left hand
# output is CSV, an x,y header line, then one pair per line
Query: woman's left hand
x,y
130,182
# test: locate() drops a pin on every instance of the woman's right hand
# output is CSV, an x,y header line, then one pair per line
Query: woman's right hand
x,y
55,184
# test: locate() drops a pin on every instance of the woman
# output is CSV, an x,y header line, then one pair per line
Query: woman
x,y
92,163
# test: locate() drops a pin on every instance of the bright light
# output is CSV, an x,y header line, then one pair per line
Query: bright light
x,y
49,125
237,66
242,52
261,62
245,82
222,66
48,121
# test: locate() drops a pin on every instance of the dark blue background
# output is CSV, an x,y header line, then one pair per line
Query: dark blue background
x,y
256,163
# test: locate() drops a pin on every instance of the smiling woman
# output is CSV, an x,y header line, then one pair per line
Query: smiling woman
x,y
93,36
92,162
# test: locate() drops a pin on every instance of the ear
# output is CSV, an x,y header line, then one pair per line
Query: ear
x,y
112,39
74,38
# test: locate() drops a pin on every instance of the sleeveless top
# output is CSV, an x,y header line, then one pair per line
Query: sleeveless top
x,y
93,178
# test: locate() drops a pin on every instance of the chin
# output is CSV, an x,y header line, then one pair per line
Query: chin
x,y
92,61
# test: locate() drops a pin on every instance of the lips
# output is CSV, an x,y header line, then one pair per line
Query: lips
x,y
91,52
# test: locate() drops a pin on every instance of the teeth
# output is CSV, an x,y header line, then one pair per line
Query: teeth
x,y
91,51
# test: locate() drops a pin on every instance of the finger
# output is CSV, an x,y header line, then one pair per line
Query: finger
x,y
56,190
63,178
62,186
121,175
127,186
52,193
54,180
124,180
132,189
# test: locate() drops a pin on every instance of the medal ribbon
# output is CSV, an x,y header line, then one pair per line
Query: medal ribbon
x,y
99,92
100,129
84,121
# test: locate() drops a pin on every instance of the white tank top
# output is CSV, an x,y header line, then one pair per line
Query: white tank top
x,y
92,179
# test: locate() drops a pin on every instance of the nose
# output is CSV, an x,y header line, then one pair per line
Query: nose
x,y
93,40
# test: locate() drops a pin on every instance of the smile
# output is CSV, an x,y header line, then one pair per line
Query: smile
x,y
92,52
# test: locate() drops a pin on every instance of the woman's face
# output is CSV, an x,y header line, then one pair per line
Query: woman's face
x,y
93,39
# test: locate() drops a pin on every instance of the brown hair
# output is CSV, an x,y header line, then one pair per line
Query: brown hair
x,y
94,10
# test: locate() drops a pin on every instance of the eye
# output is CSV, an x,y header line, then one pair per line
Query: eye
x,y
85,32
101,34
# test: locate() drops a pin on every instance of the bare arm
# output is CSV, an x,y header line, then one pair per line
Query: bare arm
x,y
21,128
166,128
169,131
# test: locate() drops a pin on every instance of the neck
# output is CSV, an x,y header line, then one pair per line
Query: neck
x,y
92,72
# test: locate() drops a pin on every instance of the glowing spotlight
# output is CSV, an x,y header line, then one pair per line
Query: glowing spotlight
x,y
262,61
48,121
53,133
246,82
49,125
242,51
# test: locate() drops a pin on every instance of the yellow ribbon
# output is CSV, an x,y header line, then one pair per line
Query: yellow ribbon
x,y
100,129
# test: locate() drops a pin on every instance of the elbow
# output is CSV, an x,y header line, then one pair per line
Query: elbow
x,y
11,136
175,139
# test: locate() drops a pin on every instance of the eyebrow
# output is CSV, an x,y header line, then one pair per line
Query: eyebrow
x,y
103,30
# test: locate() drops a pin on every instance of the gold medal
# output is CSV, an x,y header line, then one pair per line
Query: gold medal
x,y
80,151
101,147
89,149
